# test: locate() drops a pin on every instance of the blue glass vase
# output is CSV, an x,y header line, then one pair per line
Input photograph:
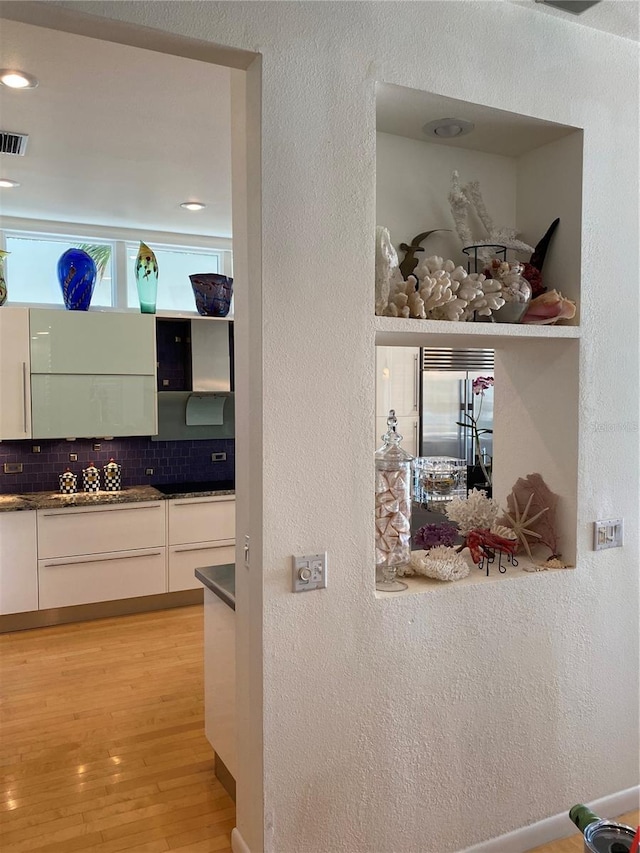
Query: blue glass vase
x,y
77,276
146,270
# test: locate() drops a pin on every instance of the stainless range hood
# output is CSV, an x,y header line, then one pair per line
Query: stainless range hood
x,y
204,410
210,356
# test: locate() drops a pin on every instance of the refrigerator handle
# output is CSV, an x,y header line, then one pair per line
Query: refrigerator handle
x,y
416,383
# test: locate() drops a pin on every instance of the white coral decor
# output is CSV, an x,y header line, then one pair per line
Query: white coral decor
x,y
442,563
438,289
476,512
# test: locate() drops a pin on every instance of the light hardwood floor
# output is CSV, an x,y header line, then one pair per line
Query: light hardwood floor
x,y
102,745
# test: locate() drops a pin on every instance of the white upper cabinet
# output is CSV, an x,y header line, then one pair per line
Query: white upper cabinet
x,y
15,408
92,374
74,342
77,406
397,381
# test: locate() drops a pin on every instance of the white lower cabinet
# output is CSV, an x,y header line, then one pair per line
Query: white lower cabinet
x,y
220,725
185,559
18,562
101,553
76,531
87,554
201,532
101,577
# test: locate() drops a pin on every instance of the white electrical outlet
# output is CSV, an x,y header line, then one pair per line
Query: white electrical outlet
x,y
608,534
310,572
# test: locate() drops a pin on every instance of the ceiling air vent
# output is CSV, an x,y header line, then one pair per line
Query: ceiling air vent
x,y
577,7
13,143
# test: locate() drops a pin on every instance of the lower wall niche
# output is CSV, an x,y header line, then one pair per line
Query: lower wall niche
x,y
171,461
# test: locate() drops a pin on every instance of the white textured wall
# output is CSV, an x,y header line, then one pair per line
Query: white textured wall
x,y
426,723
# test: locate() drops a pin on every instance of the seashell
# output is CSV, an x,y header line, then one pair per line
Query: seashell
x,y
505,532
549,308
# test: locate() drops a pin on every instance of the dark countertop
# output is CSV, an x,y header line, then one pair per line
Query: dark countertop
x,y
54,500
199,494
11,503
133,494
221,580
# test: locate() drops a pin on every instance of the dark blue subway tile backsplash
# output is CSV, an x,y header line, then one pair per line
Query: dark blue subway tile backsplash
x,y
172,461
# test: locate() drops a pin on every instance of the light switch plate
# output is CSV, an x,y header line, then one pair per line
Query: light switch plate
x,y
309,572
608,533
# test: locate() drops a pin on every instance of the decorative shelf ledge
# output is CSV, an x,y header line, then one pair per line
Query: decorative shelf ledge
x,y
399,331
420,584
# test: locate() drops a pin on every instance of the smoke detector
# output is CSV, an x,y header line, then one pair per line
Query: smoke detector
x,y
13,143
576,7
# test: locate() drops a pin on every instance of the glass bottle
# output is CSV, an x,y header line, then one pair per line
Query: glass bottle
x,y
602,836
146,271
3,284
393,508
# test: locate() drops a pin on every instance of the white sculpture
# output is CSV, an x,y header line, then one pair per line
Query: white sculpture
x,y
462,199
386,263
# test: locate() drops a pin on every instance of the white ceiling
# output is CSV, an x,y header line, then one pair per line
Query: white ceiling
x,y
118,136
618,17
404,112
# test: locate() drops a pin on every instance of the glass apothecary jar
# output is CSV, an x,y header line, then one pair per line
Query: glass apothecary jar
x,y
393,509
437,480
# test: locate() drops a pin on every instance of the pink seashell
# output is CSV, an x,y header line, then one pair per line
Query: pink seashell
x,y
548,308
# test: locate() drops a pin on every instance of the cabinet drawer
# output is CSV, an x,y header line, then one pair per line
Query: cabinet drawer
x,y
185,559
201,520
84,580
92,342
81,406
93,530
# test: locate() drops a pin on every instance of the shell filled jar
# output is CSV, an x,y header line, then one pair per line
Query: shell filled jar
x,y
392,509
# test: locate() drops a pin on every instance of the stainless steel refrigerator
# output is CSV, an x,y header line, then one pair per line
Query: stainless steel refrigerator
x,y
446,393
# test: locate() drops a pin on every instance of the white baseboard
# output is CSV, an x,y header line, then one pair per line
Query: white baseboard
x,y
558,826
238,844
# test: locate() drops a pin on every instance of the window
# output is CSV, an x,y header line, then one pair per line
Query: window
x,y
33,262
31,270
175,265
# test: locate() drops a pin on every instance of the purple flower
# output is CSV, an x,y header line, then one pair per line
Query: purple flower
x,y
432,535
481,384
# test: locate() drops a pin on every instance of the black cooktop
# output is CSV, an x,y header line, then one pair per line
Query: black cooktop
x,y
187,488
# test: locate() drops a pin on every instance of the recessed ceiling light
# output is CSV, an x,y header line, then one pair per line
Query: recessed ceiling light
x,y
17,79
193,205
8,183
448,128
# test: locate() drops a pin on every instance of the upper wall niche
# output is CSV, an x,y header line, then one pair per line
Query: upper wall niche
x,y
529,169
